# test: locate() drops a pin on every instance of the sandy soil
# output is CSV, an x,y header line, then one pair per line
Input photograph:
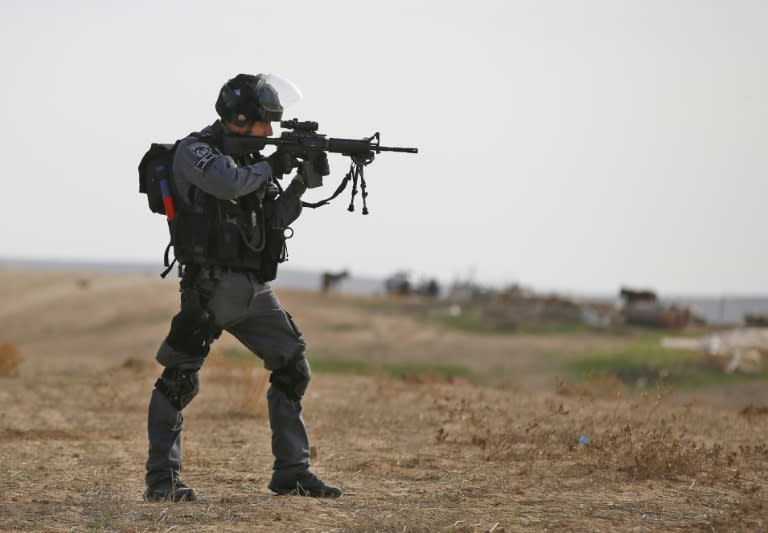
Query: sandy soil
x,y
411,455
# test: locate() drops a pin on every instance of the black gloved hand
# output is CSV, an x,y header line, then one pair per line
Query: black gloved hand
x,y
281,162
314,168
320,163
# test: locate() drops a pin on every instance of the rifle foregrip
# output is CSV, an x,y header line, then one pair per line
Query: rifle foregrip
x,y
358,147
349,146
312,177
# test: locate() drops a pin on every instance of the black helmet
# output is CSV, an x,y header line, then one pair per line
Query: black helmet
x,y
246,99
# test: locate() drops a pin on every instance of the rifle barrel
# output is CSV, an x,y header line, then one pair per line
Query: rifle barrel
x,y
397,149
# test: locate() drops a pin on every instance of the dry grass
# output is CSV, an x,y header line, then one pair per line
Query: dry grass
x,y
631,441
417,454
9,360
419,457
244,379
659,451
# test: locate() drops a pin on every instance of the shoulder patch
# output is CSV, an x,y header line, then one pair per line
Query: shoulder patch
x,y
200,149
205,161
204,154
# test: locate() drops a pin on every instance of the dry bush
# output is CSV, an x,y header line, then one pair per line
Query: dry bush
x,y
497,446
9,360
244,379
754,410
631,439
502,439
658,452
654,450
635,441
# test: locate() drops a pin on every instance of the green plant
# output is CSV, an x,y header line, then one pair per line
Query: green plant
x,y
644,362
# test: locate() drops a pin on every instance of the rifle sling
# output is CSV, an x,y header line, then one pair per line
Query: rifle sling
x,y
338,191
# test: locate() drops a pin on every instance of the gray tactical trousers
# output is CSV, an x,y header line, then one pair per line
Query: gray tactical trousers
x,y
250,311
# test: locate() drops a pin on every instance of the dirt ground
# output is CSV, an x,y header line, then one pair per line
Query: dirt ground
x,y
521,453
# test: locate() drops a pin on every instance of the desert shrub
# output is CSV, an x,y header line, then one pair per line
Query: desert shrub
x,y
657,451
631,440
9,360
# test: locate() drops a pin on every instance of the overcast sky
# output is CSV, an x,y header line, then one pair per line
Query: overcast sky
x,y
572,145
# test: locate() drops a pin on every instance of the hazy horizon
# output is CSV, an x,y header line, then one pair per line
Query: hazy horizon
x,y
156,267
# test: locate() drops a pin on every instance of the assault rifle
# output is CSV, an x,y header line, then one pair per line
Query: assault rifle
x,y
304,143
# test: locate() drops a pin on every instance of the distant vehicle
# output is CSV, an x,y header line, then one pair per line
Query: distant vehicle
x,y
400,283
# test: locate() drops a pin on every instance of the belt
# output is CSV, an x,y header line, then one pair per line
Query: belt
x,y
213,270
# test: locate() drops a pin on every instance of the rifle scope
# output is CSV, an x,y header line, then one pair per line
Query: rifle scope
x,y
300,125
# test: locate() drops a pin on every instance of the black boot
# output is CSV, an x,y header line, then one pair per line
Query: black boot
x,y
302,484
171,490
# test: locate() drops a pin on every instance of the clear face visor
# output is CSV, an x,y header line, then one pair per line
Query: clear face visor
x,y
275,93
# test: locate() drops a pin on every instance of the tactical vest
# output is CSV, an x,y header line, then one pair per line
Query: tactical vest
x,y
207,231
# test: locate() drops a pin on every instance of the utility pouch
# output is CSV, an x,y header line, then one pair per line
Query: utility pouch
x,y
190,234
275,252
228,243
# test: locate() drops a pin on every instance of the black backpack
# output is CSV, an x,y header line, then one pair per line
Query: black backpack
x,y
155,181
155,178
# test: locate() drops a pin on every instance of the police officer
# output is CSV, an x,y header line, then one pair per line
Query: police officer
x,y
229,234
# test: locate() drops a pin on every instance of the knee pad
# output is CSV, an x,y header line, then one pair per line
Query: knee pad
x,y
179,386
293,378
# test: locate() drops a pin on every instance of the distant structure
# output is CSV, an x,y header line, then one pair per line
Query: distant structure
x,y
515,307
402,283
330,280
468,291
399,283
642,308
754,320
429,288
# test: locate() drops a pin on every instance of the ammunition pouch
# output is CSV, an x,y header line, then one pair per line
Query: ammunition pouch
x,y
275,252
191,236
215,235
